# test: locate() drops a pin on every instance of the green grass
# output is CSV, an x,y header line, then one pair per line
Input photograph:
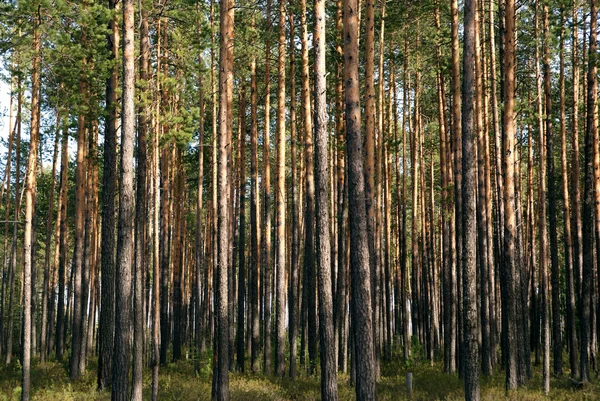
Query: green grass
x,y
177,382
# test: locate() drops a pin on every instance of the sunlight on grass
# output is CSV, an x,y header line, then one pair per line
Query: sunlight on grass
x,y
177,383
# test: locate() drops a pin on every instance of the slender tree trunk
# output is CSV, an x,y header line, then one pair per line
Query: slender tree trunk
x,y
140,214
469,251
295,257
359,246
221,372
483,246
242,233
326,332
575,170
123,278
78,252
109,183
457,151
201,266
309,279
509,282
12,262
62,258
280,201
6,184
30,193
556,325
155,258
369,156
571,328
254,221
266,258
588,206
47,289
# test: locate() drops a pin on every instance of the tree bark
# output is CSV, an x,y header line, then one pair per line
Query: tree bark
x,y
109,183
588,205
30,192
123,278
280,205
241,301
469,234
141,213
221,371
266,256
322,189
359,246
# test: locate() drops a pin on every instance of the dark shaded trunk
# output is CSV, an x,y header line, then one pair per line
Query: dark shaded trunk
x,y
469,233
359,246
123,277
107,244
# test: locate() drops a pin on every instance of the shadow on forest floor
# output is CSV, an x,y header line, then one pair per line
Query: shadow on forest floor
x,y
177,382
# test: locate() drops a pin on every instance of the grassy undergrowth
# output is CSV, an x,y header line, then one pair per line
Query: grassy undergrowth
x,y
177,382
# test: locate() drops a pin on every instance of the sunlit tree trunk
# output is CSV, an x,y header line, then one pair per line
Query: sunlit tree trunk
x,y
30,192
280,206
221,351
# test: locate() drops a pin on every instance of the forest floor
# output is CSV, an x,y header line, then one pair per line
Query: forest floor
x,y
177,382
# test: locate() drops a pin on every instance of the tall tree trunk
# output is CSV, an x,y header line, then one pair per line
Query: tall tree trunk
x,y
457,151
340,307
556,325
322,189
280,258
309,278
141,214
571,328
266,257
575,170
369,156
254,221
6,185
295,257
123,278
542,216
483,246
201,266
47,289
448,258
509,281
155,258
241,301
469,234
359,246
12,262
78,252
63,244
588,205
30,192
221,372
109,183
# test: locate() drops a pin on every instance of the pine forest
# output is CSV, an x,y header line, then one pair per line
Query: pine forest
x,y
299,200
